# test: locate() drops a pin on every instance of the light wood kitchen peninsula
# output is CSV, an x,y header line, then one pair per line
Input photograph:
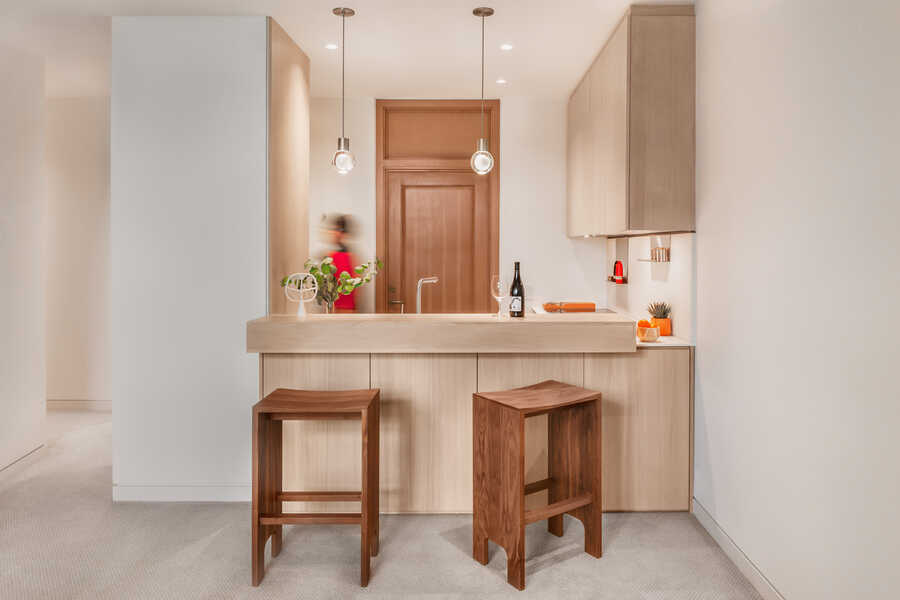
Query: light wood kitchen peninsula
x,y
428,366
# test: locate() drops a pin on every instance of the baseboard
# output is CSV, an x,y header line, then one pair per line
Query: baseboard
x,y
181,493
96,405
18,460
737,556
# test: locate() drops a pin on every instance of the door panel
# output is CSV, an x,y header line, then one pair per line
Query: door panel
x,y
434,216
438,225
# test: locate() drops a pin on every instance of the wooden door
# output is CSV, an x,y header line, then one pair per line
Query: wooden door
x,y
438,226
436,217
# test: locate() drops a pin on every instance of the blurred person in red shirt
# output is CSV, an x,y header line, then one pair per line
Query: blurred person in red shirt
x,y
339,231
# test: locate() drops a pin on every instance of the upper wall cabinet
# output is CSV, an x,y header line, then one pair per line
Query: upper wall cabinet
x,y
630,164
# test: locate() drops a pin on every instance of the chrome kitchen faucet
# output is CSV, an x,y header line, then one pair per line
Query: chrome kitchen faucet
x,y
431,279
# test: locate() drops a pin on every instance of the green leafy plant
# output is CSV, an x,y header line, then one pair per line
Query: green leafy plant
x,y
659,310
333,286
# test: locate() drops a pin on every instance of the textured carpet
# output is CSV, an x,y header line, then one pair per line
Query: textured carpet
x,y
62,537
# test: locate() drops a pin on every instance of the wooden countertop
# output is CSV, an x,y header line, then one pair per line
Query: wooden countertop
x,y
666,342
441,333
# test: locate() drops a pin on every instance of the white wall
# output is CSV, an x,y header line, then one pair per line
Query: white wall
x,y
77,247
188,248
533,207
532,194
673,282
22,249
797,402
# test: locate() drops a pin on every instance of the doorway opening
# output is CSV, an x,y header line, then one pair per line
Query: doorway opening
x,y
435,217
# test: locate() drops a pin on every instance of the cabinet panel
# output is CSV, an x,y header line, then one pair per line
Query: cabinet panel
x,y
609,126
635,171
661,121
578,157
426,431
426,424
646,427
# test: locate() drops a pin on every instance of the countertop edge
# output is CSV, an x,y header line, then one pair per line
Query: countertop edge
x,y
439,335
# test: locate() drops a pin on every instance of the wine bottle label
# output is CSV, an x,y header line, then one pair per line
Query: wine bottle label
x,y
515,304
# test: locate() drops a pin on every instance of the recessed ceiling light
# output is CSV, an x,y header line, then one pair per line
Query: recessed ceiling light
x,y
501,81
331,46
506,46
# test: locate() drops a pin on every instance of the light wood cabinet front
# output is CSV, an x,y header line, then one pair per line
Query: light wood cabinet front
x,y
426,431
578,161
426,424
646,427
608,126
631,149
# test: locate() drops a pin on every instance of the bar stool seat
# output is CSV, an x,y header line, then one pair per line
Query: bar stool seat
x,y
268,517
499,486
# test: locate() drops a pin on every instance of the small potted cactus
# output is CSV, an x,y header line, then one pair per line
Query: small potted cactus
x,y
661,313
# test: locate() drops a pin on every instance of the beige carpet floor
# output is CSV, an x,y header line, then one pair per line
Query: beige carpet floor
x,y
62,537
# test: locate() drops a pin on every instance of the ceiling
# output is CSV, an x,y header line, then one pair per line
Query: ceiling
x,y
411,48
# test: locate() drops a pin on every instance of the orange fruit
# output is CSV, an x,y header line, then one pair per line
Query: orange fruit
x,y
643,323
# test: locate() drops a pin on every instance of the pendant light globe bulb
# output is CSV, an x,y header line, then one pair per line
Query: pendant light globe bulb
x,y
343,160
482,161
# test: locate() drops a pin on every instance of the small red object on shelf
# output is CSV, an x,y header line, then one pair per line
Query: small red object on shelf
x,y
619,272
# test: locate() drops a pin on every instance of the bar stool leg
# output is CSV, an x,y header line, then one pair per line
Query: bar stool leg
x,y
515,561
260,480
365,504
555,471
276,457
512,460
480,467
593,512
374,464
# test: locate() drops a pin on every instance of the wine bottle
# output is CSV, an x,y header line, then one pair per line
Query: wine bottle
x,y
517,295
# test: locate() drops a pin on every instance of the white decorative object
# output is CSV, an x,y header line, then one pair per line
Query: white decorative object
x,y
301,288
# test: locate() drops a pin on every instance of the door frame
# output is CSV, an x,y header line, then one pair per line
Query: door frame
x,y
385,166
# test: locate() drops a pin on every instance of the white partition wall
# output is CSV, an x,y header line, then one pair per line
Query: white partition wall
x,y
188,248
797,411
22,247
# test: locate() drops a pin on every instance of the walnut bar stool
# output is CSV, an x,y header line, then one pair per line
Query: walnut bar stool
x,y
268,517
499,487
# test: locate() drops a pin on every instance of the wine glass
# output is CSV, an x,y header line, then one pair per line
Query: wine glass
x,y
499,290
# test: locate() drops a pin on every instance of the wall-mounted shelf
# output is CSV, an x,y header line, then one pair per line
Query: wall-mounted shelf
x,y
616,250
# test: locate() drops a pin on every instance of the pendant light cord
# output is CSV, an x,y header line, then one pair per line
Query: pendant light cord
x,y
482,76
343,46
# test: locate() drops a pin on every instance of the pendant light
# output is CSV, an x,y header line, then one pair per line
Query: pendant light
x,y
343,160
482,161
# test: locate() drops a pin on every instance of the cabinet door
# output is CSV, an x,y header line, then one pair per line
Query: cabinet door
x,y
661,122
646,427
609,130
578,151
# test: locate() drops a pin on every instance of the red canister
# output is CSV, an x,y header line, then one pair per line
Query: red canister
x,y
619,272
